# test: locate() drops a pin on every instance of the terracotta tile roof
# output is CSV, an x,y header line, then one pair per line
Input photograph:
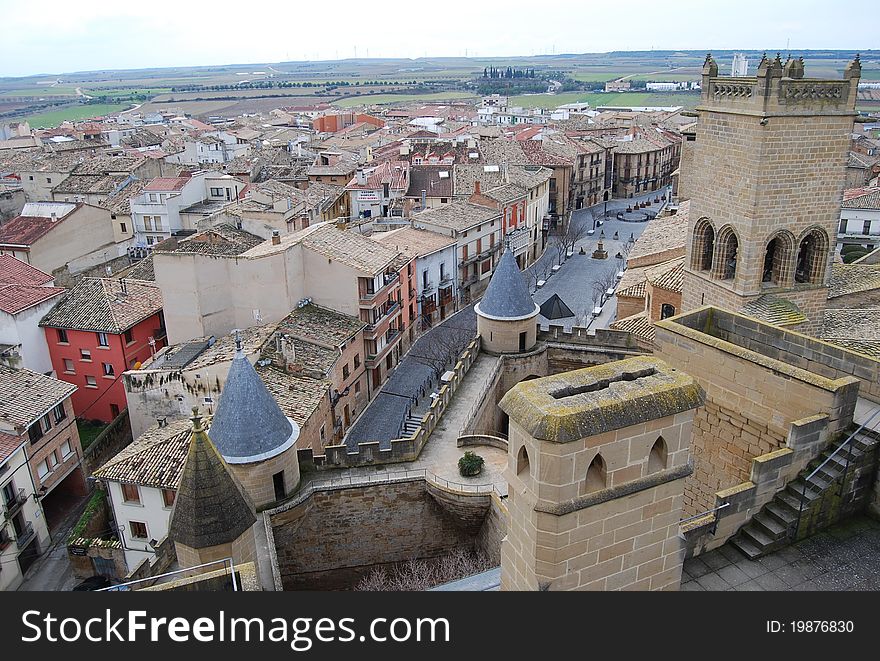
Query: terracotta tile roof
x,y
668,276
506,193
855,329
16,272
119,202
415,242
862,198
321,325
25,230
393,173
457,215
773,310
853,278
101,305
350,248
155,459
429,179
638,324
15,298
634,291
664,237
219,240
298,397
26,396
167,183
8,445
142,270
527,176
858,160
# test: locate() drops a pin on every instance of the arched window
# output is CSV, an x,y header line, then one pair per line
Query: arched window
x,y
778,259
727,254
522,461
596,474
657,458
703,246
811,257
667,310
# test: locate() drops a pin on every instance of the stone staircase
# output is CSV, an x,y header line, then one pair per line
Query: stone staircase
x,y
410,425
775,525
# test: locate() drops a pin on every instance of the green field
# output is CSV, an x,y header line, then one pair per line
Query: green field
x,y
605,99
125,91
666,77
73,113
42,90
385,99
597,77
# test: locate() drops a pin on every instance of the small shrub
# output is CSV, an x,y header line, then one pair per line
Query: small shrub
x,y
470,464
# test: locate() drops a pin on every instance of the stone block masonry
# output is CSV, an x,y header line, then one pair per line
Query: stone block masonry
x,y
332,538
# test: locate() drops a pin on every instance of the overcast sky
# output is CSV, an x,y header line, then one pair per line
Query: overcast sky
x,y
56,36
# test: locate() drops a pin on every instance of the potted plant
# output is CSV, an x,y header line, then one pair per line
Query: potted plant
x,y
470,464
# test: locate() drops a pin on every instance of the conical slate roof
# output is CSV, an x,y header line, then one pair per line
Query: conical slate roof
x,y
507,296
555,308
248,425
210,508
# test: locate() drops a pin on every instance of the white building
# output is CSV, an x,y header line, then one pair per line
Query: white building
x,y
26,295
211,147
860,217
740,65
23,531
156,212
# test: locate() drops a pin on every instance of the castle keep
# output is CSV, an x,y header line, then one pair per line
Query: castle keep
x,y
766,184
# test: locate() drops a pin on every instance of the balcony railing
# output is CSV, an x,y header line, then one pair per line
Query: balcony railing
x,y
14,504
485,254
388,280
389,311
26,534
390,339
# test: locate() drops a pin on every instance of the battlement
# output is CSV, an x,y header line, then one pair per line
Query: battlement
x,y
780,89
574,405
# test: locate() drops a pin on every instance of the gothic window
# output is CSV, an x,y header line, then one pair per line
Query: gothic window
x,y
522,461
728,252
811,257
704,245
596,474
657,458
777,260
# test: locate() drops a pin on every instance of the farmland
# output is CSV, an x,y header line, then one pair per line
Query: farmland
x,y
72,113
688,100
386,99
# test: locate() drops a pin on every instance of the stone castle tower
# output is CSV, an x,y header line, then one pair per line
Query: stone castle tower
x,y
597,463
766,184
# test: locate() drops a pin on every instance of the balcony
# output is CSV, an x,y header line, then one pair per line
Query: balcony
x,y
14,504
446,295
381,324
391,338
5,540
367,296
485,254
25,536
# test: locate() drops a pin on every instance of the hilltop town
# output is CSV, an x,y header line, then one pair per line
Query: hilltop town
x,y
452,344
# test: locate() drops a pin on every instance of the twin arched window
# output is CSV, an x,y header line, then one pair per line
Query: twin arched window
x,y
596,479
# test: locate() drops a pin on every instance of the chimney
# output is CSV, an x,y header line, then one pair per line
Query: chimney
x,y
276,237
54,217
477,190
361,177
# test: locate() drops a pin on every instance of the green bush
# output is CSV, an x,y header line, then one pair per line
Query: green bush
x,y
851,247
470,464
850,257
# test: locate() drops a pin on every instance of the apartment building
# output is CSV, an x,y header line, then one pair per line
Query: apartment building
x,y
380,191
99,329
36,411
225,278
158,211
477,231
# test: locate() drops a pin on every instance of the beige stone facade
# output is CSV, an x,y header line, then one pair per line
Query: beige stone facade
x,y
242,549
257,478
595,495
507,335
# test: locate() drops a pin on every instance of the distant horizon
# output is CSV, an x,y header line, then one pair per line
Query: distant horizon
x,y
864,53
109,36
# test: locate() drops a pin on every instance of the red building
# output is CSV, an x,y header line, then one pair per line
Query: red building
x,y
99,329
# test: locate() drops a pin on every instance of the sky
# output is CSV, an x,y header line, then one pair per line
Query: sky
x,y
63,36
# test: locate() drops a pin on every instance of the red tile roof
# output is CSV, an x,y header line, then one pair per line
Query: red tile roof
x,y
24,230
8,445
16,272
167,184
15,298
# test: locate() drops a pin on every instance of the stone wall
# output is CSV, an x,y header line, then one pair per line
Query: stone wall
x,y
110,442
752,399
333,537
494,529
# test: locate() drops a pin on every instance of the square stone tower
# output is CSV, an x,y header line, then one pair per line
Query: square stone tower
x,y
766,184
597,462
